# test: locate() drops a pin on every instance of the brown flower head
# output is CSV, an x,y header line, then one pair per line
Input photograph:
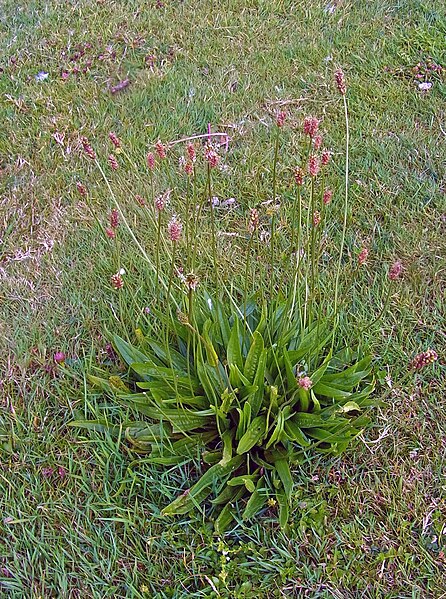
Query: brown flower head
x,y
313,165
114,218
113,162
161,149
363,255
316,218
88,149
280,118
317,142
298,175
81,189
421,360
340,82
325,157
174,229
254,220
191,153
211,156
311,125
191,280
114,139
117,282
395,270
150,159
327,197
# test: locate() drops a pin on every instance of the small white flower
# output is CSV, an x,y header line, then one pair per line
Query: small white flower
x,y
425,86
210,303
121,271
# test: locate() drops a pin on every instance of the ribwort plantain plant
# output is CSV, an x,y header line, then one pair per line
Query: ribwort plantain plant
x,y
251,378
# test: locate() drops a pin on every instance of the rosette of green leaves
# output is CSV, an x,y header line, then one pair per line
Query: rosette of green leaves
x,y
226,388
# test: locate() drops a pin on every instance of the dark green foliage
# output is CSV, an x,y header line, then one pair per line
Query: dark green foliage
x,y
234,398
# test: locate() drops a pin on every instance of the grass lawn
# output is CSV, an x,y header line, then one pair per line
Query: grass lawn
x,y
75,519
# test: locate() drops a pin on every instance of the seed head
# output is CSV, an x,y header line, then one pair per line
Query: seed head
x,y
140,200
211,156
395,270
191,280
174,229
191,153
317,142
114,218
110,233
327,197
81,189
189,168
313,165
161,201
340,82
88,149
182,317
117,281
363,255
421,360
316,218
114,139
311,125
254,219
161,149
325,157
150,161
298,175
305,382
113,162
280,118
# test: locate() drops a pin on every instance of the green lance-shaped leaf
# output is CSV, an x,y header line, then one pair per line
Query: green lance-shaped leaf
x,y
328,391
350,374
306,420
253,357
290,376
256,502
227,514
247,480
128,352
220,317
295,434
277,434
171,358
234,352
254,433
284,510
329,437
198,492
259,381
212,357
283,470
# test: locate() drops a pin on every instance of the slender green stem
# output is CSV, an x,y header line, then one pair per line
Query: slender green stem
x,y
245,294
172,270
128,227
312,255
214,244
187,229
344,225
194,219
157,256
273,216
